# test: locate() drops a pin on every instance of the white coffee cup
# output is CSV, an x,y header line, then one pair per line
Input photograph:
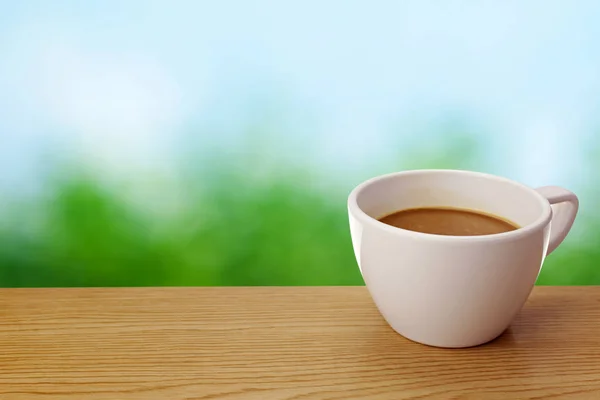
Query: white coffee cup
x,y
454,291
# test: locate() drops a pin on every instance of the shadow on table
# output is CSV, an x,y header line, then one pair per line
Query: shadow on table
x,y
553,334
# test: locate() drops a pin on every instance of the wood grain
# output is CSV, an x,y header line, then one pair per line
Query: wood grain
x,y
280,343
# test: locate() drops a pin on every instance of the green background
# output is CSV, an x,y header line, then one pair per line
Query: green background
x,y
215,143
228,229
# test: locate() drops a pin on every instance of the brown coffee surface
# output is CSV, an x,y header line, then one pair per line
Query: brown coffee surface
x,y
448,221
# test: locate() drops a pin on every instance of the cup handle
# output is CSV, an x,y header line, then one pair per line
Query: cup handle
x,y
564,210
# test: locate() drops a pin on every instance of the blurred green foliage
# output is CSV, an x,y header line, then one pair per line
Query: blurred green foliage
x,y
233,231
229,228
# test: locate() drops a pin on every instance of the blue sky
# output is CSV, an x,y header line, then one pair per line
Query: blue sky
x,y
114,81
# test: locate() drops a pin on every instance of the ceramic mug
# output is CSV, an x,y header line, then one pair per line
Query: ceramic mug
x,y
454,291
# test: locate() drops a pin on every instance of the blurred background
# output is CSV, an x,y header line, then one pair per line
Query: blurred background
x,y
183,142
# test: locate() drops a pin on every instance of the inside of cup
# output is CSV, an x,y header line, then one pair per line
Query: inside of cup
x,y
456,189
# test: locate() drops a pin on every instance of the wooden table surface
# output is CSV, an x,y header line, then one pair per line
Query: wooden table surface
x,y
280,343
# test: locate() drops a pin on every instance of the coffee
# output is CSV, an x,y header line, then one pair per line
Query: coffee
x,y
448,221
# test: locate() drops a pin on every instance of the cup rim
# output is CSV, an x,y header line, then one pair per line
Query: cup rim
x,y
358,213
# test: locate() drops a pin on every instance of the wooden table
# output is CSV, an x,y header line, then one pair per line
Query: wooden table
x,y
280,343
